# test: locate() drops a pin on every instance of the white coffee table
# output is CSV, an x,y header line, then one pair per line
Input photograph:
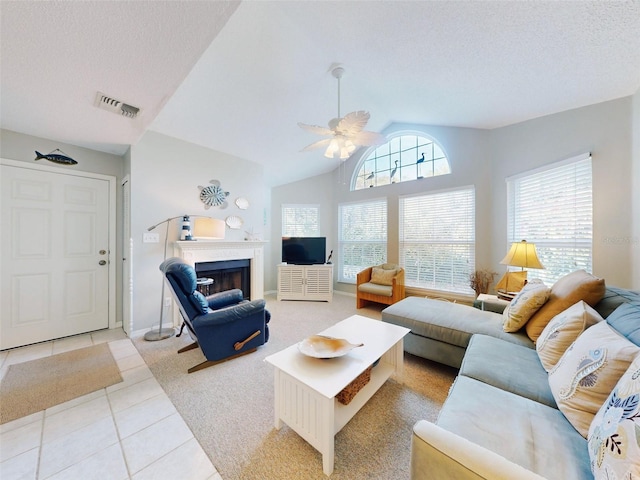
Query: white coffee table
x,y
305,387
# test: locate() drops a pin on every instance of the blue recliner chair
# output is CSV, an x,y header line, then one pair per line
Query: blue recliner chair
x,y
223,325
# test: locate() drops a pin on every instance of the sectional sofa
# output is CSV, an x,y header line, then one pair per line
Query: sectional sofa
x,y
536,402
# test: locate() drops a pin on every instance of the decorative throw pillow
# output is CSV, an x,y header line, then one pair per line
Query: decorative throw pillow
x,y
526,302
382,276
562,331
614,439
567,291
587,372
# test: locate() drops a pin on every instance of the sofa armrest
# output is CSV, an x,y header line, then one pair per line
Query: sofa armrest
x,y
439,454
398,288
364,276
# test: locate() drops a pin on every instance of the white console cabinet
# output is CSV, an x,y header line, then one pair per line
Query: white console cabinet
x,y
305,282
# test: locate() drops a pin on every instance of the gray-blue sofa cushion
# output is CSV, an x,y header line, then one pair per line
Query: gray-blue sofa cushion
x,y
626,320
449,322
510,367
526,432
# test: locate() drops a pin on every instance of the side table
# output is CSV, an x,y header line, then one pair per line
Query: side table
x,y
204,285
490,303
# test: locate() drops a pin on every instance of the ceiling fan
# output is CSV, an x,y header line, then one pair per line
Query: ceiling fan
x,y
345,133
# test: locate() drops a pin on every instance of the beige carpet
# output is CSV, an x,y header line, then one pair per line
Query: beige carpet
x,y
229,407
39,384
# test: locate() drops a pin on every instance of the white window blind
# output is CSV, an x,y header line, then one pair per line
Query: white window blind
x,y
300,220
553,208
362,237
437,239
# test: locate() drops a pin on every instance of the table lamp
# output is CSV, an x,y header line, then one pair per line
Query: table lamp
x,y
207,228
521,254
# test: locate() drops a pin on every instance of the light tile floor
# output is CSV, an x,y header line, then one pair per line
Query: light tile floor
x,y
129,430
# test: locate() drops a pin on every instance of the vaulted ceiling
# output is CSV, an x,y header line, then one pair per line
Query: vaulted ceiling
x,y
237,76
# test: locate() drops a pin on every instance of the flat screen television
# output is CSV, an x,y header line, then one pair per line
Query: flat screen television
x,y
304,250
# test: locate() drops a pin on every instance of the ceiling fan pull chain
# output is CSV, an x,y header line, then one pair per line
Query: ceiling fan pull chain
x,y
339,96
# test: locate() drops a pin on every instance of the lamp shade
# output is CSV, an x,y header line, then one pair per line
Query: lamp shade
x,y
522,254
205,228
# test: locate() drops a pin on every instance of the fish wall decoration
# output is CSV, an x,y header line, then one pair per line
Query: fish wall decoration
x,y
59,158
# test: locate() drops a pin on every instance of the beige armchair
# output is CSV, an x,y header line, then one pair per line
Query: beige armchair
x,y
381,284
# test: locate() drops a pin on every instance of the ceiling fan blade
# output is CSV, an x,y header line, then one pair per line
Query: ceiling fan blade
x,y
315,129
353,122
319,144
368,138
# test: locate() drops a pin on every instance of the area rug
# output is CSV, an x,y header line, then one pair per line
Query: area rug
x,y
39,384
230,407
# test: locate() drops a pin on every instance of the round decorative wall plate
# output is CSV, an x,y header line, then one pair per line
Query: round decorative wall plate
x,y
234,222
242,203
213,195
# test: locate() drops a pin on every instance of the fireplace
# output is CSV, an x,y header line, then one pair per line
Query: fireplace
x,y
214,251
226,275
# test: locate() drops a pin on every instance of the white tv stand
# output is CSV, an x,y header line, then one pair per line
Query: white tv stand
x,y
305,282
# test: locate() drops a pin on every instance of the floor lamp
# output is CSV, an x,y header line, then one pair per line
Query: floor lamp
x,y
163,333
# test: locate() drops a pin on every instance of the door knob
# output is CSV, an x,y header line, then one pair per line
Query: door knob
x,y
102,262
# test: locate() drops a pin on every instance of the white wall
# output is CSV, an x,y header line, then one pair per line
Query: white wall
x,y
165,175
604,130
467,151
634,243
484,158
21,147
315,190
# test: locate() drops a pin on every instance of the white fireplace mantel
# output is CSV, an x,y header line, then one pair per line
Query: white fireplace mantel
x,y
197,251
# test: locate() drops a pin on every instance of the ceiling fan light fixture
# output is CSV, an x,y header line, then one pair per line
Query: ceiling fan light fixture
x,y
332,149
346,133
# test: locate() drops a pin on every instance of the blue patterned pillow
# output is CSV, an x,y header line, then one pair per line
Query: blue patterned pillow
x,y
614,434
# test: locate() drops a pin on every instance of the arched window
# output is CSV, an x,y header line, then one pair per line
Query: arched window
x,y
403,158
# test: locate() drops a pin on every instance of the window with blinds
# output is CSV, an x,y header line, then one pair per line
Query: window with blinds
x,y
553,208
437,240
300,220
362,237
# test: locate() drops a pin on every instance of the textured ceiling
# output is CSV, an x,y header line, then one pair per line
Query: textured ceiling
x,y
239,81
55,56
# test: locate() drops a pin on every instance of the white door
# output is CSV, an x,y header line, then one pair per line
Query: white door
x,y
54,246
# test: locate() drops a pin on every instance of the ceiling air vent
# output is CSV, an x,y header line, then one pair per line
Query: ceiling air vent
x,y
116,106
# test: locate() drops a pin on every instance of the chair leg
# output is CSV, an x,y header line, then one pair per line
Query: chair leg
x,y
181,329
210,363
191,346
